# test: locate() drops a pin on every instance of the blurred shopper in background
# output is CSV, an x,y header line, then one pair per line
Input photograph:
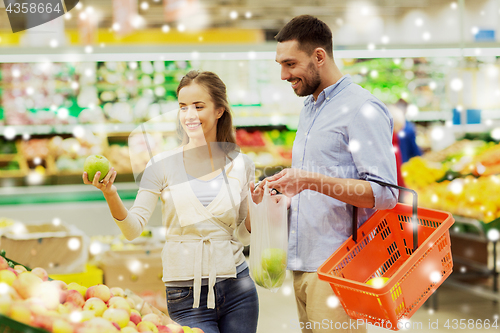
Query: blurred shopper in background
x,y
407,136
399,123
344,140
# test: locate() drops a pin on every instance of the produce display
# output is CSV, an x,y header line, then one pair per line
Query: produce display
x,y
420,81
31,298
267,149
88,92
460,179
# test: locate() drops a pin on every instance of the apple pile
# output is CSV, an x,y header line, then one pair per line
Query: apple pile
x,y
30,298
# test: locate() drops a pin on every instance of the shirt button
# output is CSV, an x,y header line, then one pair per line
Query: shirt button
x,y
301,159
293,231
295,209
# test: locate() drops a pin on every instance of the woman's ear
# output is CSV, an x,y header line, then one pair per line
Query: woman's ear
x,y
220,112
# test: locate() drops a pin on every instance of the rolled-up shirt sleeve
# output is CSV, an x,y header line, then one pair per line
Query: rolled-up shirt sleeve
x,y
370,140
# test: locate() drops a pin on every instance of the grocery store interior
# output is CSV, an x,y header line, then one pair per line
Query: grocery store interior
x,y
101,77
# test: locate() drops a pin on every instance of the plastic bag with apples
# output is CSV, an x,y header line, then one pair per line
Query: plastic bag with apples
x,y
268,240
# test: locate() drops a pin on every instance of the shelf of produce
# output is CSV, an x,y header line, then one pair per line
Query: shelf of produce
x,y
290,121
61,194
241,51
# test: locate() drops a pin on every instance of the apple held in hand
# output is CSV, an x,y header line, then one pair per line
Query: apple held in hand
x,y
95,163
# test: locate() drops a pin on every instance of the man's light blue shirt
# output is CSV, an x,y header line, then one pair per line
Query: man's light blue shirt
x,y
346,133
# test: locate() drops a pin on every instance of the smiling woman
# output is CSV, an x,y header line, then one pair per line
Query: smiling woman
x,y
203,186
206,93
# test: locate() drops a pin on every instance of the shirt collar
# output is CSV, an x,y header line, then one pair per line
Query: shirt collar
x,y
330,91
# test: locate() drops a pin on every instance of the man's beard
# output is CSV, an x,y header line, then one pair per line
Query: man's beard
x,y
311,84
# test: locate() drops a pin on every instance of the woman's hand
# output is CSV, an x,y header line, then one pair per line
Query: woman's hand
x,y
106,185
257,192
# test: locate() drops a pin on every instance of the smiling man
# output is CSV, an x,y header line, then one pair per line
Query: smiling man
x,y
344,139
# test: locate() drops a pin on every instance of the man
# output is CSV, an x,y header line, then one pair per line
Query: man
x,y
343,140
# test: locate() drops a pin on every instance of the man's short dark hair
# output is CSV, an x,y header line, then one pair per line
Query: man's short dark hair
x,y
309,32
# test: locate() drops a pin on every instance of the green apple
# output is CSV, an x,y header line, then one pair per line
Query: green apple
x,y
274,262
95,163
264,279
261,277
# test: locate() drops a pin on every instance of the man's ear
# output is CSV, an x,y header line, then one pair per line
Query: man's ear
x,y
320,56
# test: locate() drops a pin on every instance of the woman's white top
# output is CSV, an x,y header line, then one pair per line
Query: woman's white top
x,y
201,242
206,190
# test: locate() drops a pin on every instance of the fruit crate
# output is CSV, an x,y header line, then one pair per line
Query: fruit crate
x,y
8,325
90,277
5,160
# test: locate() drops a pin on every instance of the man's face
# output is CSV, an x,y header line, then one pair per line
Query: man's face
x,y
298,68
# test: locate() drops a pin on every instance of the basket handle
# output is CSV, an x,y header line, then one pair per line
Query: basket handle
x,y
414,219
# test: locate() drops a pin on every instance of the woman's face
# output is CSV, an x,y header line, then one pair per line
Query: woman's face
x,y
198,115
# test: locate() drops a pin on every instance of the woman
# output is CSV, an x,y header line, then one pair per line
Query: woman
x,y
203,187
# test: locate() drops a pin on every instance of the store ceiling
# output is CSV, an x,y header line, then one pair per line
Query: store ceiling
x,y
268,15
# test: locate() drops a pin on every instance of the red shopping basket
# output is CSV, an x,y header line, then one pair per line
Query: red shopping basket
x,y
410,247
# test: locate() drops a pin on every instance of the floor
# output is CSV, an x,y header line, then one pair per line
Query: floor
x,y
278,312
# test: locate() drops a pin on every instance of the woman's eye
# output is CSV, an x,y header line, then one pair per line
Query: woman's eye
x,y
184,108
199,107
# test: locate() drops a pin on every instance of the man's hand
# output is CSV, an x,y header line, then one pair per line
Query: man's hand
x,y
289,181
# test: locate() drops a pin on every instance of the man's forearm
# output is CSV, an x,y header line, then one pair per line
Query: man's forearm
x,y
355,192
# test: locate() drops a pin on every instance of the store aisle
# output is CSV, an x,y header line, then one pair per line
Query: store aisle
x,y
278,313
